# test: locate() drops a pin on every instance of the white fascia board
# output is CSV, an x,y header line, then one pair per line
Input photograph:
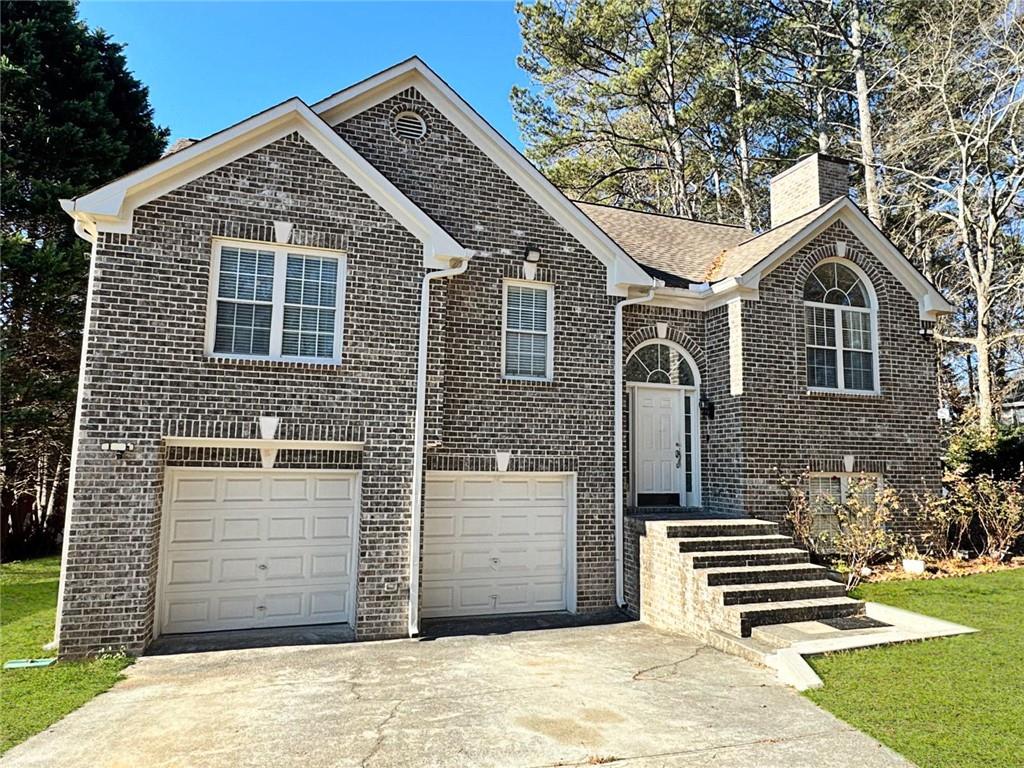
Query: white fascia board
x,y
110,208
622,271
931,303
719,295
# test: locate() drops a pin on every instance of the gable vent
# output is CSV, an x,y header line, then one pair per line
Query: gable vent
x,y
410,125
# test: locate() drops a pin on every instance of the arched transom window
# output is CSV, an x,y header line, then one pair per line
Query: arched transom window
x,y
839,318
659,364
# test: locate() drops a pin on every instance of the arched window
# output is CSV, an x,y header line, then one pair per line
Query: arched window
x,y
839,318
659,364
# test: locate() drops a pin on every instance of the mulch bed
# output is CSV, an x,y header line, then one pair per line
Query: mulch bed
x,y
944,569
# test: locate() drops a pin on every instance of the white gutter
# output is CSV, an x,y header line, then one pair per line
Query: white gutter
x,y
619,597
76,435
418,439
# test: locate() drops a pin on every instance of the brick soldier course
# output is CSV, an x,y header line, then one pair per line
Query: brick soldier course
x,y
146,368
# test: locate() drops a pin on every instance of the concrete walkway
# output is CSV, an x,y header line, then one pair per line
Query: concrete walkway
x,y
615,694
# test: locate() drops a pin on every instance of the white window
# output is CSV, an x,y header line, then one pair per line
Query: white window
x,y
276,302
528,332
827,488
839,320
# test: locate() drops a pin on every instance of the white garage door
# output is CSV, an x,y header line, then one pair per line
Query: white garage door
x,y
255,548
495,544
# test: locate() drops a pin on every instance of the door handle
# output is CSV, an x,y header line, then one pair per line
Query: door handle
x,y
679,457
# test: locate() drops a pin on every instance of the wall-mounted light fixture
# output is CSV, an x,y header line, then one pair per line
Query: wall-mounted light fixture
x,y
707,407
532,254
121,448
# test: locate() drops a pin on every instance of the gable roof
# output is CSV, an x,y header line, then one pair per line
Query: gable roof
x,y
110,207
696,252
681,249
622,270
736,260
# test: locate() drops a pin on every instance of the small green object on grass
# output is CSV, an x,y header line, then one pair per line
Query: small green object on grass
x,y
27,663
33,699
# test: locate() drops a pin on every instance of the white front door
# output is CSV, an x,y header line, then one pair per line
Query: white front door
x,y
246,548
658,440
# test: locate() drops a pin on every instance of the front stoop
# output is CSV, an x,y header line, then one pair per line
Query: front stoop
x,y
731,575
743,588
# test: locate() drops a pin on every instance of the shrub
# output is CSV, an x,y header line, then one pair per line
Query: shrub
x,y
860,528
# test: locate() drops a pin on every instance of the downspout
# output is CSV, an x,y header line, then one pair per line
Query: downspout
x,y
92,238
619,595
418,439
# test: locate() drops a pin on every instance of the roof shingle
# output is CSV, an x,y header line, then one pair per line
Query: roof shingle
x,y
684,251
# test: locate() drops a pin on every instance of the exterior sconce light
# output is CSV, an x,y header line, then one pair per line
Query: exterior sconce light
x,y
707,407
121,448
532,254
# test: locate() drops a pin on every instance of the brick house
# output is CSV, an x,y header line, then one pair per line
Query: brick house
x,y
359,362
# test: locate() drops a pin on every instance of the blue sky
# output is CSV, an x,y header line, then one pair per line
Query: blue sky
x,y
211,64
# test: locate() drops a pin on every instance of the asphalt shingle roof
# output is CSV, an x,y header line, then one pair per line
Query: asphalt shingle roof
x,y
683,251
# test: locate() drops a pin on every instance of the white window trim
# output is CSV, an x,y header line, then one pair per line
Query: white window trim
x,y
871,311
550,288
277,313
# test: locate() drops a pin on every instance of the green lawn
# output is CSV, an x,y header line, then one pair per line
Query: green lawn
x,y
32,699
955,702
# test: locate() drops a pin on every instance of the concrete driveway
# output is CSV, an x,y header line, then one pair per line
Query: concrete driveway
x,y
621,693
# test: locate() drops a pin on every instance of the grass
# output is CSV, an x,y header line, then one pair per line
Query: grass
x,y
954,702
33,699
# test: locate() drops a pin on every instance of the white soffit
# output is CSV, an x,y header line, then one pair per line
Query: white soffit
x,y
622,271
110,207
930,302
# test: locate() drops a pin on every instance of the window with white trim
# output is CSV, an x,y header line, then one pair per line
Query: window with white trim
x,y
839,322
528,330
276,302
825,489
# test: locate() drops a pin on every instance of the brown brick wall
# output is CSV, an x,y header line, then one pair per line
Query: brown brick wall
x,y
146,364
785,428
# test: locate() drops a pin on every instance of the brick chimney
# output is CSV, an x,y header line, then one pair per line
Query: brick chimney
x,y
814,181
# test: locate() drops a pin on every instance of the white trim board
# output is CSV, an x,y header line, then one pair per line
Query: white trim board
x,y
930,302
110,207
622,270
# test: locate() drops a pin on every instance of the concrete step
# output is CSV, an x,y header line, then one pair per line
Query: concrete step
x,y
743,618
747,557
762,574
723,543
741,526
778,592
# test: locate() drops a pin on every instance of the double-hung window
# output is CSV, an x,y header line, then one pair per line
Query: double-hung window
x,y
276,302
828,488
839,323
528,332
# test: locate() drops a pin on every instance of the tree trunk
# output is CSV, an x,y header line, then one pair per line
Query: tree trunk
x,y
742,145
820,97
865,128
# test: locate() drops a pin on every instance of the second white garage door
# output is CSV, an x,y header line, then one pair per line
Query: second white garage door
x,y
254,548
496,543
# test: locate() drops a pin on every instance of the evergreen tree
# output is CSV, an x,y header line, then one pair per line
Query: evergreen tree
x,y
72,117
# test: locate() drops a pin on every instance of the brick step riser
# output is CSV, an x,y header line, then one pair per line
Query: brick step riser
x,y
711,529
764,558
707,545
768,595
765,577
783,615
